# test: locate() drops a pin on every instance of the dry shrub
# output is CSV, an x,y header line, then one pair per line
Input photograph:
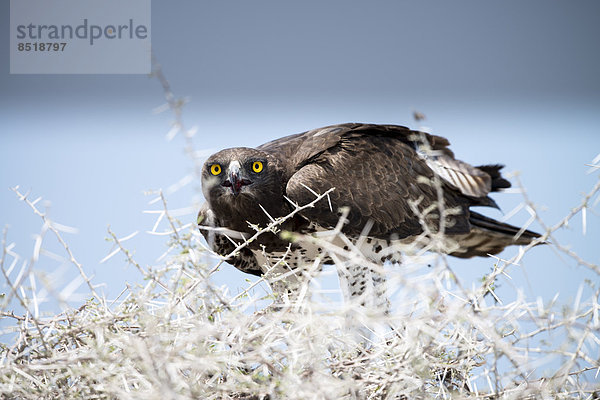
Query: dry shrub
x,y
181,336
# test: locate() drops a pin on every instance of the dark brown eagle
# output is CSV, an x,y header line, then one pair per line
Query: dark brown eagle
x,y
393,181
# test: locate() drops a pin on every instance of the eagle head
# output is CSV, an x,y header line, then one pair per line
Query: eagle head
x,y
236,182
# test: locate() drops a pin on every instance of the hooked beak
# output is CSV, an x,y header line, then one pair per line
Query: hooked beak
x,y
234,180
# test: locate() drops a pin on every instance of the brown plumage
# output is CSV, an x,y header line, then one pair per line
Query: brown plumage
x,y
377,171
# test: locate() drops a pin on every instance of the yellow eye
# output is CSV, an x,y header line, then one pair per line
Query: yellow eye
x,y
215,169
257,166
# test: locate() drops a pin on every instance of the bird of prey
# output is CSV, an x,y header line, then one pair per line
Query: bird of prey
x,y
394,183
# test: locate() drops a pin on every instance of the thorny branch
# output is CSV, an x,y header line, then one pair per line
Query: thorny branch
x,y
63,243
182,337
269,228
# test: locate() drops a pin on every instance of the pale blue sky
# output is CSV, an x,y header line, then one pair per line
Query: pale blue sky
x,y
510,82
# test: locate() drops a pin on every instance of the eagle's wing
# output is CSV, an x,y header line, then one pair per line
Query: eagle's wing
x,y
296,150
382,172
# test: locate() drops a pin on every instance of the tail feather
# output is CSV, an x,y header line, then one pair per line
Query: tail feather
x,y
498,182
489,236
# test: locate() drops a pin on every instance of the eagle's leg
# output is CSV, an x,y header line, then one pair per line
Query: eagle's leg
x,y
289,279
289,273
364,289
366,285
286,292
